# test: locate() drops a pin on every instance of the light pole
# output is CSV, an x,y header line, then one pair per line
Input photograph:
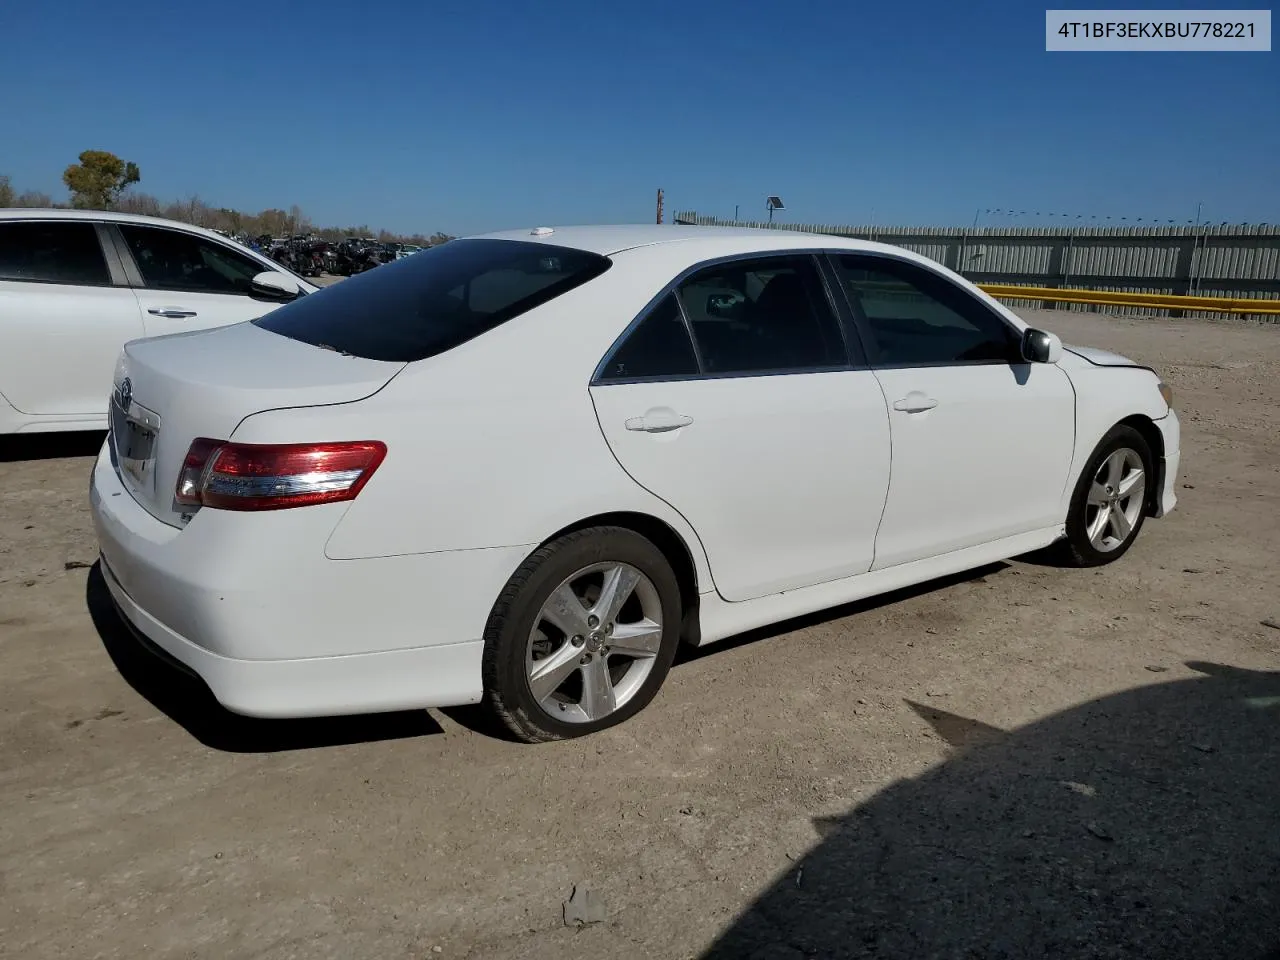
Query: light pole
x,y
773,203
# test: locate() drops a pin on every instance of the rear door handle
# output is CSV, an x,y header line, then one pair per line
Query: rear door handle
x,y
660,420
173,313
915,402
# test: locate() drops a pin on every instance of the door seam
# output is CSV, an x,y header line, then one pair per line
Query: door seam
x,y
888,490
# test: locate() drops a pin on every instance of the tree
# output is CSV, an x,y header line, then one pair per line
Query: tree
x,y
28,198
97,181
34,198
273,221
137,202
191,210
232,220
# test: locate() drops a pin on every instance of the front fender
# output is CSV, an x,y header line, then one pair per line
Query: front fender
x,y
1105,395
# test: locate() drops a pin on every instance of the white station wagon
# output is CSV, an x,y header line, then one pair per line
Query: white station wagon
x,y
76,285
522,468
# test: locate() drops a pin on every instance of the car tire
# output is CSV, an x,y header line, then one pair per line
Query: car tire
x,y
535,635
1097,491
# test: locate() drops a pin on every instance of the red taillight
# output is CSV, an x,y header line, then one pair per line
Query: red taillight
x,y
262,476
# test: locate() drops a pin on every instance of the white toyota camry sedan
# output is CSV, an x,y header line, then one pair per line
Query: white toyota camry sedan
x,y
522,468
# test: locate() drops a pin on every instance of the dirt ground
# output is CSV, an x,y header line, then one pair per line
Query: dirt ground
x,y
1025,762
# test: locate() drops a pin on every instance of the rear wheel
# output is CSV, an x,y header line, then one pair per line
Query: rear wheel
x,y
1110,500
583,635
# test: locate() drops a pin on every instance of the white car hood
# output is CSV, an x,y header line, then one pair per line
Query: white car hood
x,y
1104,358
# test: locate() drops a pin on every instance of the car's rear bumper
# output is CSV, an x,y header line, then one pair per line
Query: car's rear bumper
x,y
1171,433
446,675
275,629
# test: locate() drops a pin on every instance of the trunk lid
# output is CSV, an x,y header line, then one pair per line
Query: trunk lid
x,y
169,390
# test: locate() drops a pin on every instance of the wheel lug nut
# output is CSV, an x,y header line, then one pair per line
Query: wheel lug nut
x,y
577,640
586,658
593,621
608,628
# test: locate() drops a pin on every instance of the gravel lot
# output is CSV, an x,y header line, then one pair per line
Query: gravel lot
x,y
1027,762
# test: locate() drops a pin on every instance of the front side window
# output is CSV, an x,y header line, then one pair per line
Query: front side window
x,y
763,315
173,260
916,317
420,306
51,251
658,347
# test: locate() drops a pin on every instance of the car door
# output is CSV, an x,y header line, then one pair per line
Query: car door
x,y
189,282
734,398
982,440
65,312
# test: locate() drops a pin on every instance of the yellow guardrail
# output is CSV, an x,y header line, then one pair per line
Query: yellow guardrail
x,y
1112,298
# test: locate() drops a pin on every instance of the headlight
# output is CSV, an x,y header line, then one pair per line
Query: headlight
x,y
1166,391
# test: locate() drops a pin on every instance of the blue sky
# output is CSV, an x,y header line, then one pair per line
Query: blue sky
x,y
482,115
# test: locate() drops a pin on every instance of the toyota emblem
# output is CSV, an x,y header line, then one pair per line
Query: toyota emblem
x,y
126,393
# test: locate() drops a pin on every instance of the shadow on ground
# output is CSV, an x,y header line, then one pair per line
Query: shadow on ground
x,y
187,700
50,446
1144,824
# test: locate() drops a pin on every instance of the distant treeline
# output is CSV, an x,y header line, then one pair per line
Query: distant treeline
x,y
194,210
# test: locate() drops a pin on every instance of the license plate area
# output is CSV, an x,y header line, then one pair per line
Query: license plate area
x,y
134,430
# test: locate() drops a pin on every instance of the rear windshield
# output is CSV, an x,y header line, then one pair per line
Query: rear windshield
x,y
426,304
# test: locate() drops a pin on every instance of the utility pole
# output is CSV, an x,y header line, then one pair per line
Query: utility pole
x,y
659,205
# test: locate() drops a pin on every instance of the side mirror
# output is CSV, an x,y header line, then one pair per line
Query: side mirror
x,y
271,285
1040,346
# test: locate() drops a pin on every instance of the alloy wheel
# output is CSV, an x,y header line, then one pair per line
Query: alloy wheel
x,y
594,642
1116,499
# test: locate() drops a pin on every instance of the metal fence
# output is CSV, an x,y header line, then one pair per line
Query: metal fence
x,y
1241,260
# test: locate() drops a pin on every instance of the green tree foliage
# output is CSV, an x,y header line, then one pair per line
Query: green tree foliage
x,y
7,196
97,181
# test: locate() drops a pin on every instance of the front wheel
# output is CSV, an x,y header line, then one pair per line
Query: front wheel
x,y
1110,500
583,635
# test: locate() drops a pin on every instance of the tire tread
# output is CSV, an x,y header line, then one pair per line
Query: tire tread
x,y
1073,550
515,718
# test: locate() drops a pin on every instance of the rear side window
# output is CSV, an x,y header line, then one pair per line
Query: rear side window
x,y
658,347
52,252
756,316
423,305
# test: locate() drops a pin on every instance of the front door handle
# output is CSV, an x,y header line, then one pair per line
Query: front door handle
x,y
173,313
660,420
915,402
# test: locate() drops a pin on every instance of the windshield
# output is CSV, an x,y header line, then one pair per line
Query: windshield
x,y
420,306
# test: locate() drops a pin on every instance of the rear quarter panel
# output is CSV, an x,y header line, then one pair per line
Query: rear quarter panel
x,y
492,444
